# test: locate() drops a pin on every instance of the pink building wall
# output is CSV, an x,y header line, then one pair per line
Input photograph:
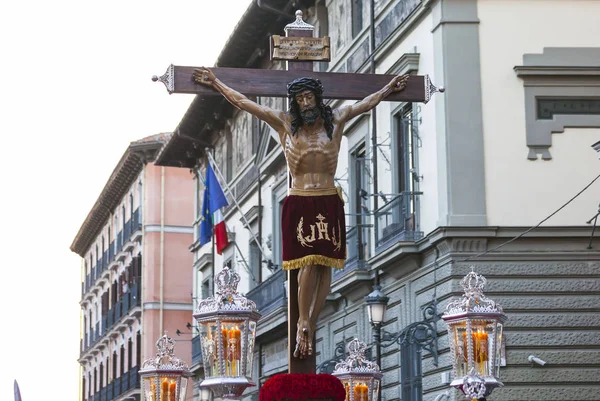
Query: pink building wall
x,y
176,258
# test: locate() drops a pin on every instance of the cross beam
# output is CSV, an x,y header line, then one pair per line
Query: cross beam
x,y
273,83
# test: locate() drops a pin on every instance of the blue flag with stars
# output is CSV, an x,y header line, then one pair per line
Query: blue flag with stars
x,y
214,199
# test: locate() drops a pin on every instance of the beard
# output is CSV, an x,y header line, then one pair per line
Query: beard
x,y
310,115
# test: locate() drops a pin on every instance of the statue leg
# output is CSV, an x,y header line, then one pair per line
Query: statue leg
x,y
313,286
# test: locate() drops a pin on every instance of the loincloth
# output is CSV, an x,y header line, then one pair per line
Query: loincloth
x,y
313,227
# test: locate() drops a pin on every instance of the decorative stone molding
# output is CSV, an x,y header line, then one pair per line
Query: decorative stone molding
x,y
408,63
561,90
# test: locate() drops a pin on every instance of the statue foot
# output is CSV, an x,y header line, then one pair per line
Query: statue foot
x,y
303,342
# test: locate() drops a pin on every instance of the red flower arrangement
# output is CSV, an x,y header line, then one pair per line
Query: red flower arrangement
x,y
302,387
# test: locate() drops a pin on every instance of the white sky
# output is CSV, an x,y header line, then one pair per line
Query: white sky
x,y
75,90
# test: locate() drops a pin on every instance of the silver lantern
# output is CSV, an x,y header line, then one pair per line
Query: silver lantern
x,y
227,325
164,377
475,334
361,378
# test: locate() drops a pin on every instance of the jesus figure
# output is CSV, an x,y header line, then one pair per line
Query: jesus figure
x,y
313,222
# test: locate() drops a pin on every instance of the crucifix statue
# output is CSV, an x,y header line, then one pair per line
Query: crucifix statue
x,y
310,133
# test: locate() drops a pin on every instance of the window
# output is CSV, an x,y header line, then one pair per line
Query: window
x,y
357,17
129,354
114,365
138,348
255,263
357,234
396,216
122,360
411,372
278,196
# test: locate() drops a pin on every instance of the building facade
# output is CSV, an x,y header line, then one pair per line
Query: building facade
x,y
136,280
430,189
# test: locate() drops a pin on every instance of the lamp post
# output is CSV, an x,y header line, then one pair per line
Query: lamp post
x,y
376,306
475,325
227,324
360,377
422,334
164,377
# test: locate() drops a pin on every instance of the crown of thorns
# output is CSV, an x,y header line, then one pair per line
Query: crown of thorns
x,y
300,84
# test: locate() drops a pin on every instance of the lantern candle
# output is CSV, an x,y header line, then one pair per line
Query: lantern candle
x,y
361,392
152,392
172,390
164,388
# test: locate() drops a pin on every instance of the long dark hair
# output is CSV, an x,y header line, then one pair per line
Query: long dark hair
x,y
314,85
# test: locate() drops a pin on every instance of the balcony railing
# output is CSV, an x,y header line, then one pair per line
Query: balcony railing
x,y
395,222
119,241
111,252
136,221
110,390
128,301
127,231
354,259
269,294
196,350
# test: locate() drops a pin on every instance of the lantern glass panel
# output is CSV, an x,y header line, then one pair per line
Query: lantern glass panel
x,y
346,384
182,388
498,353
375,389
459,331
482,337
210,351
361,390
250,351
231,335
150,388
168,388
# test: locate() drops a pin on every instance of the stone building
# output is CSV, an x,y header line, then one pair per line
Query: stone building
x,y
434,189
135,271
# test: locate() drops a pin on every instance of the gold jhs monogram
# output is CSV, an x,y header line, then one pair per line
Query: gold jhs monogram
x,y
318,231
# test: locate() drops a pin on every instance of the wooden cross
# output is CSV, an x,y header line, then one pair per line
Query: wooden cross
x,y
302,50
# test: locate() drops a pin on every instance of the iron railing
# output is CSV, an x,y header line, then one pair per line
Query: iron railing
x,y
270,294
395,221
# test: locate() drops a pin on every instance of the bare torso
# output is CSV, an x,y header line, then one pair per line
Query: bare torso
x,y
311,156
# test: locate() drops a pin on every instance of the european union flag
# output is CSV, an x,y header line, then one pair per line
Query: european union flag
x,y
214,199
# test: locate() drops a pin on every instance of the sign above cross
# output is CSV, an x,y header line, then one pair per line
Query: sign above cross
x,y
337,85
299,48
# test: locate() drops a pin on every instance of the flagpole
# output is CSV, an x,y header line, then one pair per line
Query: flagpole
x,y
244,260
245,221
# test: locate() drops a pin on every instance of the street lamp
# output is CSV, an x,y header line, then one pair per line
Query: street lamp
x,y
361,378
164,377
475,325
376,306
227,324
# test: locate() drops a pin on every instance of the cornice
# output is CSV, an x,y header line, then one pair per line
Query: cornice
x,y
132,162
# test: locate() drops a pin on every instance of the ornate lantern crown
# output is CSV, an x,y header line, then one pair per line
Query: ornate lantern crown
x,y
163,375
227,325
475,325
361,378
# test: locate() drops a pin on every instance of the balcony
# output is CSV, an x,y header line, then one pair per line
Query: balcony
x,y
270,294
110,390
196,351
395,222
355,259
128,301
136,221
127,231
111,252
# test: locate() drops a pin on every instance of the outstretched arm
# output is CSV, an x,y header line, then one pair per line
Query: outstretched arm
x,y
397,84
272,117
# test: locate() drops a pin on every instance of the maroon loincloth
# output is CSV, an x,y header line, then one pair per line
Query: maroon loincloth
x,y
313,229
